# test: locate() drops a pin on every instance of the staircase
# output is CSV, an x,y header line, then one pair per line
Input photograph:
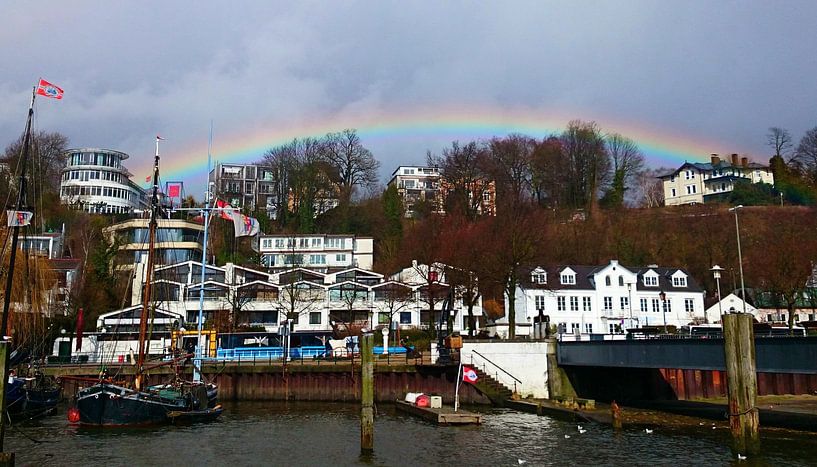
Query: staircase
x,y
495,391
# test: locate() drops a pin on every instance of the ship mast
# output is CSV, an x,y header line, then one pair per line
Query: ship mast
x,y
146,292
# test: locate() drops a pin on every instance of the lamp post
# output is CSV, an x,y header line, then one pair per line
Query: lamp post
x,y
630,301
740,256
663,296
716,272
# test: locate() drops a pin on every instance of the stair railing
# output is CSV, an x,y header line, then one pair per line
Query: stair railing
x,y
496,369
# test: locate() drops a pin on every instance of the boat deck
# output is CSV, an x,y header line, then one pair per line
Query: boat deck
x,y
441,416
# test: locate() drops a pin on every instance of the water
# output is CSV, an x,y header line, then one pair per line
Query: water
x,y
277,433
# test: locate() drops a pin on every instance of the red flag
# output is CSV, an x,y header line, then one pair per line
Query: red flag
x,y
49,90
174,191
221,204
147,179
80,325
469,375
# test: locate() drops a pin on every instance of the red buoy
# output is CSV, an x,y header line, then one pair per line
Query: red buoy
x,y
73,415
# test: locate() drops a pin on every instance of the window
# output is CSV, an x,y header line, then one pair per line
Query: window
x,y
405,317
621,281
607,281
540,278
625,303
588,328
560,303
692,189
303,243
643,305
668,305
540,302
614,328
679,281
317,259
568,279
315,317
651,281
486,196
340,258
316,243
689,305
574,303
561,328
408,171
608,303
383,318
687,174
574,328
585,303
409,184
655,308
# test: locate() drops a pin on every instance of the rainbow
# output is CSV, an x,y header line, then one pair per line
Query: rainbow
x,y
662,147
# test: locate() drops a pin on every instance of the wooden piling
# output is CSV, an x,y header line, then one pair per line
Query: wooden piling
x,y
741,381
367,394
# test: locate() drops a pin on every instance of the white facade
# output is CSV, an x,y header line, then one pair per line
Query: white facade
x,y
318,301
418,183
95,181
315,251
699,182
729,304
607,299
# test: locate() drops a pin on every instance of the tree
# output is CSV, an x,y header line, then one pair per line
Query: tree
x,y
588,163
648,190
548,169
806,155
628,161
780,141
351,163
464,182
509,167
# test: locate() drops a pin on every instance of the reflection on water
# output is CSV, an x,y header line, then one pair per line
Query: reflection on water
x,y
277,433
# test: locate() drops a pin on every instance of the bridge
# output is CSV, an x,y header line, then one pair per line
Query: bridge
x,y
668,367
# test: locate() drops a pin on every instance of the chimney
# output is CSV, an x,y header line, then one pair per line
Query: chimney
x,y
734,159
744,161
715,159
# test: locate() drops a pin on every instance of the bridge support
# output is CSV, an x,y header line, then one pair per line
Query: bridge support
x,y
558,383
741,378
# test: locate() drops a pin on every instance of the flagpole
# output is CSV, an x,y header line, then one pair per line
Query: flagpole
x,y
200,324
457,391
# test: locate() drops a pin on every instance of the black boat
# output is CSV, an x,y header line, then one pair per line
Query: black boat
x,y
107,403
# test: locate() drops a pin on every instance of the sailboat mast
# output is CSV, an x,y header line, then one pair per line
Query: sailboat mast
x,y
146,294
207,195
15,231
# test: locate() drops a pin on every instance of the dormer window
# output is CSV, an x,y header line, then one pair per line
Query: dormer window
x,y
651,281
679,281
539,278
568,279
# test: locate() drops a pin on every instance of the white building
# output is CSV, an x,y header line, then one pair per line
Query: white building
x,y
418,183
317,301
315,251
704,182
607,299
95,181
729,304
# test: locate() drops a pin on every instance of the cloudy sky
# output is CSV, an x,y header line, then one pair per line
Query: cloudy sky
x,y
697,78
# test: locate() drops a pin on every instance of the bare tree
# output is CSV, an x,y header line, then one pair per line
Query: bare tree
x,y
548,169
780,140
509,167
588,163
391,298
463,180
806,155
352,164
627,160
648,189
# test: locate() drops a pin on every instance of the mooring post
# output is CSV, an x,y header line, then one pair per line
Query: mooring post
x,y
6,458
741,381
367,393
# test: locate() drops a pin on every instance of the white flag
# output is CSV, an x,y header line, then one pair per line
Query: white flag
x,y
245,226
19,218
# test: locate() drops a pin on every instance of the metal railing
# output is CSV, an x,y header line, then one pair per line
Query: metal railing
x,y
497,369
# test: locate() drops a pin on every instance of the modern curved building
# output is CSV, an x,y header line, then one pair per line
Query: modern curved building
x,y
95,181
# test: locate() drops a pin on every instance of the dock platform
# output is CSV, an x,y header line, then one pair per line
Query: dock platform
x,y
441,416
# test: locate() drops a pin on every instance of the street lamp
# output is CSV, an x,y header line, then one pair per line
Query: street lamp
x,y
740,256
716,272
663,296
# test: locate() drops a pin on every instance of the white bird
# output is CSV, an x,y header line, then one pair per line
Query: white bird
x,y
521,461
647,430
581,432
741,458
701,424
567,436
714,427
579,427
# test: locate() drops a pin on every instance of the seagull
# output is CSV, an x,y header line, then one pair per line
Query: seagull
x,y
701,424
714,427
579,427
581,432
567,436
521,461
647,430
741,458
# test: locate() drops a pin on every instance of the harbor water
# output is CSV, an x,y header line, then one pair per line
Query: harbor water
x,y
301,433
